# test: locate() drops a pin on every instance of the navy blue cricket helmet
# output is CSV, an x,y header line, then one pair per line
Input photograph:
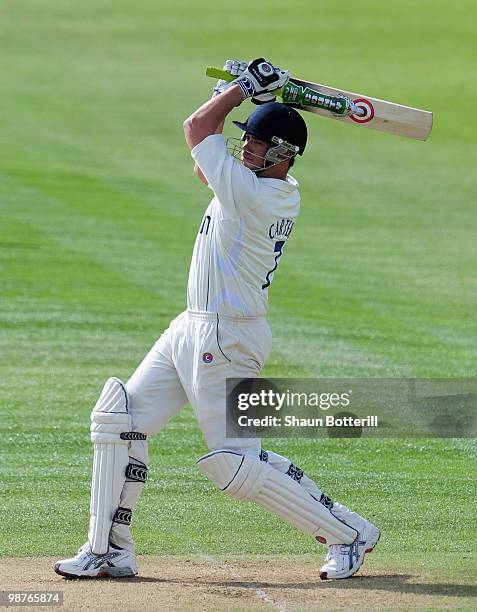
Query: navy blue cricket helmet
x,y
276,119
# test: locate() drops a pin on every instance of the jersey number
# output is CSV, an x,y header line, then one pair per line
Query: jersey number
x,y
278,250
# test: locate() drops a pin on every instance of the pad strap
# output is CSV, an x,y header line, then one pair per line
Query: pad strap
x,y
137,473
123,516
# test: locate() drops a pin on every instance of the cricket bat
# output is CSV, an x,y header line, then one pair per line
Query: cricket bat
x,y
350,107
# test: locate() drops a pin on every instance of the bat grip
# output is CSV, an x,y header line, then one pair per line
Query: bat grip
x,y
219,73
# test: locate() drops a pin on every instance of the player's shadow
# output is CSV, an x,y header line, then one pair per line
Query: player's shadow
x,y
402,584
386,582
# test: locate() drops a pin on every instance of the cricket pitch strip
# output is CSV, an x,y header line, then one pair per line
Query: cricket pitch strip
x,y
202,583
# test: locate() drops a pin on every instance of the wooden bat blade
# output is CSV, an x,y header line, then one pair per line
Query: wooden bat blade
x,y
374,113
379,114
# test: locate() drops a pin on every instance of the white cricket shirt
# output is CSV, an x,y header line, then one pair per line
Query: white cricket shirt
x,y
241,236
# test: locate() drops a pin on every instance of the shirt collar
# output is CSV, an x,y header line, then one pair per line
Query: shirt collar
x,y
289,185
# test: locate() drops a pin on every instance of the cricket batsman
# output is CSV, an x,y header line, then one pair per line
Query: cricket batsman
x,y
222,334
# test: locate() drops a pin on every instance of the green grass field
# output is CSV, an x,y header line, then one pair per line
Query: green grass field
x,y
98,214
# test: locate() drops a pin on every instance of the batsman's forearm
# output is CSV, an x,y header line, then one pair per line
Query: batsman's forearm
x,y
209,118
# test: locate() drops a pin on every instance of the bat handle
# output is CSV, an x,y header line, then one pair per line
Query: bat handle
x,y
219,73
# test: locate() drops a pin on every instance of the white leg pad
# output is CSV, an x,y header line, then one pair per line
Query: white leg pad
x,y
284,465
109,420
250,479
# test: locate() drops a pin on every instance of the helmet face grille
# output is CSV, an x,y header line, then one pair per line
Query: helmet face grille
x,y
277,153
235,146
281,151
274,119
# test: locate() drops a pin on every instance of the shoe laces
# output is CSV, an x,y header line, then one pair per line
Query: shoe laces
x,y
336,550
83,548
105,556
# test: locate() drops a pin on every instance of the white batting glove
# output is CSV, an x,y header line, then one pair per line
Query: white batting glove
x,y
233,67
241,68
263,98
260,78
237,68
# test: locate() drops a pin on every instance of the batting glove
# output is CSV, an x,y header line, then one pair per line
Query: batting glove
x,y
263,98
261,78
237,68
233,67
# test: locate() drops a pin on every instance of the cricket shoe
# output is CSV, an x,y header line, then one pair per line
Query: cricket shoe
x,y
85,564
344,560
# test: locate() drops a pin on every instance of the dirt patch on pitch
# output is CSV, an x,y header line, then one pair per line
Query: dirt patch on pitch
x,y
206,584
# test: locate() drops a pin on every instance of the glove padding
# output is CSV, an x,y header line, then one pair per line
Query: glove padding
x,y
260,78
237,68
263,98
233,67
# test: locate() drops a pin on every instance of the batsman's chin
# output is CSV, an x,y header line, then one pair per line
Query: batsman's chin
x,y
250,164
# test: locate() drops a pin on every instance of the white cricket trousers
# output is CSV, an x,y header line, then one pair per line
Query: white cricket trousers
x,y
190,363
